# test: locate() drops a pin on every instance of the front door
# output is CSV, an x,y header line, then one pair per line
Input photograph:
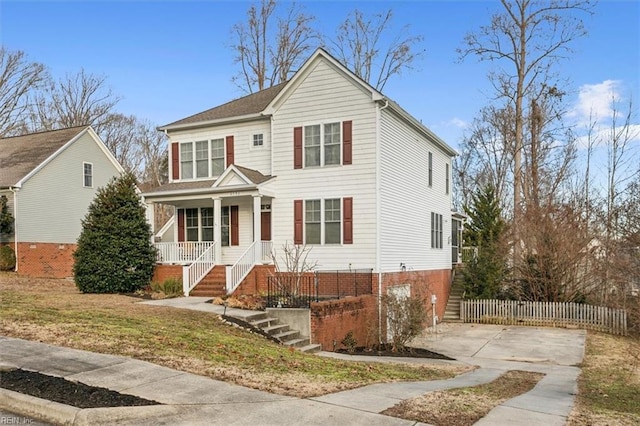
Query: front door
x,y
265,226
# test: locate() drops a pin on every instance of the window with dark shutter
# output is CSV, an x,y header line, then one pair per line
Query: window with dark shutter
x,y
180,224
346,142
297,222
297,148
230,151
235,231
347,205
175,161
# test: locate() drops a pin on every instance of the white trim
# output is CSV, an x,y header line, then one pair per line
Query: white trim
x,y
231,169
227,120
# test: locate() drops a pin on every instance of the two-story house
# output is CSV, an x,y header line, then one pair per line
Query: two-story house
x,y
49,179
323,160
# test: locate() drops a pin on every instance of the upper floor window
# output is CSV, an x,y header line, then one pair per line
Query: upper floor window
x,y
217,157
430,169
446,179
258,139
202,161
322,144
87,171
186,160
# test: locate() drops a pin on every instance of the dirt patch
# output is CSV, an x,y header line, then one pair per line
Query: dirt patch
x,y
64,391
465,406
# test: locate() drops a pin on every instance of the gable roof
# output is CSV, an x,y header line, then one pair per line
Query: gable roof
x,y
251,104
20,155
267,101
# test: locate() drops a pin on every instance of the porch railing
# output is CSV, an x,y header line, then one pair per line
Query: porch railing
x,y
257,252
192,274
181,252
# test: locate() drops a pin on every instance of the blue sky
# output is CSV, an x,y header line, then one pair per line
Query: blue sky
x,y
169,60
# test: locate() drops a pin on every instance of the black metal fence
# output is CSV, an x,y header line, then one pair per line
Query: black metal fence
x,y
291,291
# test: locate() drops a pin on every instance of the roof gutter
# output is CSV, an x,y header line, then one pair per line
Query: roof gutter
x,y
227,120
197,191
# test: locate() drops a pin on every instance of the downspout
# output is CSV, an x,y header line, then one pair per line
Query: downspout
x,y
378,222
15,222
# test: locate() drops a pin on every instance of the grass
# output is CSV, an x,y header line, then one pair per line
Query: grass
x,y
609,386
54,312
465,406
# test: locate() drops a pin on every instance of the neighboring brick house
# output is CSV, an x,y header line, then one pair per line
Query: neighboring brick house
x,y
323,160
50,178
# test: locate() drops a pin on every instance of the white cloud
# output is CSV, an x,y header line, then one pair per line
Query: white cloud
x,y
455,122
595,101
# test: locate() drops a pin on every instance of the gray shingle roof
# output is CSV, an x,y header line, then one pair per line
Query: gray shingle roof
x,y
250,104
19,155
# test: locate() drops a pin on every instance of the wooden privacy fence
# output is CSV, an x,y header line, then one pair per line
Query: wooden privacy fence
x,y
556,314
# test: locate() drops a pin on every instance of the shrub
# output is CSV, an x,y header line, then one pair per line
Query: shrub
x,y
7,258
406,318
114,253
171,287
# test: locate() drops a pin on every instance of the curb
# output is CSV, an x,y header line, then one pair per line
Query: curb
x,y
41,409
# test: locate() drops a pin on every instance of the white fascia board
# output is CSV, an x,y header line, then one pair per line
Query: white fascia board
x,y
105,150
199,191
219,121
231,169
411,120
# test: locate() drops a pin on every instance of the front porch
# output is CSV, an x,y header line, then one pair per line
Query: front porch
x,y
223,223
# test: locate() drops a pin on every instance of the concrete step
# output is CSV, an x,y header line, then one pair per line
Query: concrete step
x,y
310,348
276,328
263,322
297,343
287,336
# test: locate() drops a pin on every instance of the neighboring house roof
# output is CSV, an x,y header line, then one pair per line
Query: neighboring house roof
x,y
20,155
267,101
254,177
247,105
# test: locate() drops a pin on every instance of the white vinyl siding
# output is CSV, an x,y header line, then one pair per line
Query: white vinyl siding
x,y
56,189
325,96
406,201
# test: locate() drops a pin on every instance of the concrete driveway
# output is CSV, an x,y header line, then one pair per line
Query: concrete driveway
x,y
538,345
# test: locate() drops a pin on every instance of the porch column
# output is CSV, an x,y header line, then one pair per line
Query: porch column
x,y
151,218
257,223
217,228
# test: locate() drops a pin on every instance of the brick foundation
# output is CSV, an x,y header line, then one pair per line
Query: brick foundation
x,y
428,283
332,320
45,260
163,272
256,281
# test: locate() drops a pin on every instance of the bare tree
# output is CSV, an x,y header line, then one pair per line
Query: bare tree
x,y
75,100
269,48
361,45
530,37
19,78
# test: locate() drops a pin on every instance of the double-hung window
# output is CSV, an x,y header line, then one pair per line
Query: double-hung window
x,y
446,179
206,217
225,227
313,222
202,162
217,157
191,224
332,143
87,175
258,139
430,169
186,160
332,221
312,149
436,230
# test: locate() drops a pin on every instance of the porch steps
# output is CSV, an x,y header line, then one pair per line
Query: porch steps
x,y
452,311
212,285
283,333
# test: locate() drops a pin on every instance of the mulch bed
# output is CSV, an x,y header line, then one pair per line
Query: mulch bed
x,y
385,350
66,392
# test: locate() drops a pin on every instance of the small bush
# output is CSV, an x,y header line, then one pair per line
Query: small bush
x,y
7,259
350,342
406,318
171,287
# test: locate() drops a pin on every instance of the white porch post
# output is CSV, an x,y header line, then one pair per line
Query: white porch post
x,y
257,223
151,218
217,228
257,227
